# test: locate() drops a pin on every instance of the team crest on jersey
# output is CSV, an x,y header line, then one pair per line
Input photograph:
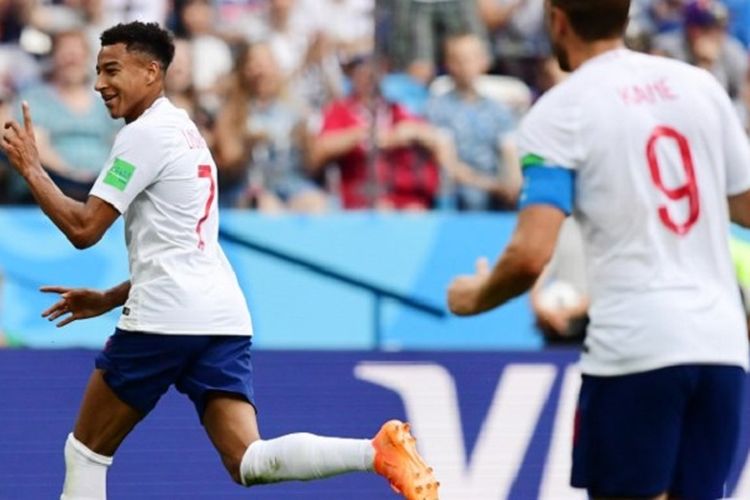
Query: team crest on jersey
x,y
119,174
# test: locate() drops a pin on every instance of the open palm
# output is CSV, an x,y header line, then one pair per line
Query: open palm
x,y
78,303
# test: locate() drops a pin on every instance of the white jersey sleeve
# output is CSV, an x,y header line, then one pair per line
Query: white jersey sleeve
x,y
550,133
134,164
735,142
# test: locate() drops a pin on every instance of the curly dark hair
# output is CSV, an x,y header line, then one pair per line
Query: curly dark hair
x,y
149,38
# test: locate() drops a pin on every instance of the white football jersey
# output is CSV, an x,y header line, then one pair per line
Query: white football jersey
x,y
656,149
162,178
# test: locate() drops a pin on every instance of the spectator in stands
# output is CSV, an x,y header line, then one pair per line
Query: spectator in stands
x,y
288,31
14,15
665,15
124,11
48,17
419,28
386,158
519,40
178,85
348,24
54,16
209,54
74,132
233,16
179,88
17,68
319,79
306,53
261,141
704,42
481,128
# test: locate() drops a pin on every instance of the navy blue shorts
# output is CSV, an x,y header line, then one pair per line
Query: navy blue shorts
x,y
140,367
669,430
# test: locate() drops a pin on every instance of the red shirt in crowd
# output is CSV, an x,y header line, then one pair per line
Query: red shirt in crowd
x,y
406,177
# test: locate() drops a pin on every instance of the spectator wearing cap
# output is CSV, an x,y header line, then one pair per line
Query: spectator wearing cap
x,y
705,42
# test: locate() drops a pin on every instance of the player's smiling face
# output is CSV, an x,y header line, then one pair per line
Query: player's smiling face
x,y
124,80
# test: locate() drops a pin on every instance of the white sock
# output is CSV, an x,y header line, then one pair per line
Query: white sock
x,y
85,472
303,457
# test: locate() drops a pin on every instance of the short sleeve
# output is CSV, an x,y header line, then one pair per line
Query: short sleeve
x,y
133,164
736,144
551,152
549,134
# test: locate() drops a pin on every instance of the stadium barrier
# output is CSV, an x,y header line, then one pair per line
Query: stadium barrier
x,y
343,281
494,425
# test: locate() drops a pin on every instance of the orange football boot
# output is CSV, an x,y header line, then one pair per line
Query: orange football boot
x,y
397,460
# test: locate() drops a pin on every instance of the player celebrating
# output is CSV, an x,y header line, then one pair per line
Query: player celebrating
x,y
184,321
644,152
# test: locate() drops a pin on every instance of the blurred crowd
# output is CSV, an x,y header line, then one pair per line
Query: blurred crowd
x,y
321,105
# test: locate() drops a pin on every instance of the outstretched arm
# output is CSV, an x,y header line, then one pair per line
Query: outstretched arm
x,y
82,223
82,303
518,268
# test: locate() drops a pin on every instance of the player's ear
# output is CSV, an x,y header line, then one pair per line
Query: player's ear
x,y
153,72
558,22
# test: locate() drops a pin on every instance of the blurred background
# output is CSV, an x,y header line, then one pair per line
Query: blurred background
x,y
366,155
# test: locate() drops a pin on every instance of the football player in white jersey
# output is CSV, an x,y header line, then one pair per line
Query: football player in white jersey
x,y
184,320
648,156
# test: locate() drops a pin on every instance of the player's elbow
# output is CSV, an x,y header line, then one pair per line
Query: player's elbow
x,y
531,267
83,238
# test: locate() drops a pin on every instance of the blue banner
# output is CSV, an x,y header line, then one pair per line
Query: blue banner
x,y
293,306
494,425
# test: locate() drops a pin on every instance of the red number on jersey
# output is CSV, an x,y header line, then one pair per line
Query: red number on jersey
x,y
687,191
204,171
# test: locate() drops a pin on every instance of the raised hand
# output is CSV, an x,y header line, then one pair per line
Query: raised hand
x,y
19,143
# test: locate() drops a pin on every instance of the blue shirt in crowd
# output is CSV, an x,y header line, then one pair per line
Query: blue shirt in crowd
x,y
82,139
478,127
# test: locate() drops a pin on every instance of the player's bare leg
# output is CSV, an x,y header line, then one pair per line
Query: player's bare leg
x,y
232,427
103,422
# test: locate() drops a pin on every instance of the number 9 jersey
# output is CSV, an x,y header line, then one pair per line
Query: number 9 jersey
x,y
643,151
162,178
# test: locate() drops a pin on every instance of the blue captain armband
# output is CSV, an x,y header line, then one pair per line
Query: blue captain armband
x,y
543,185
